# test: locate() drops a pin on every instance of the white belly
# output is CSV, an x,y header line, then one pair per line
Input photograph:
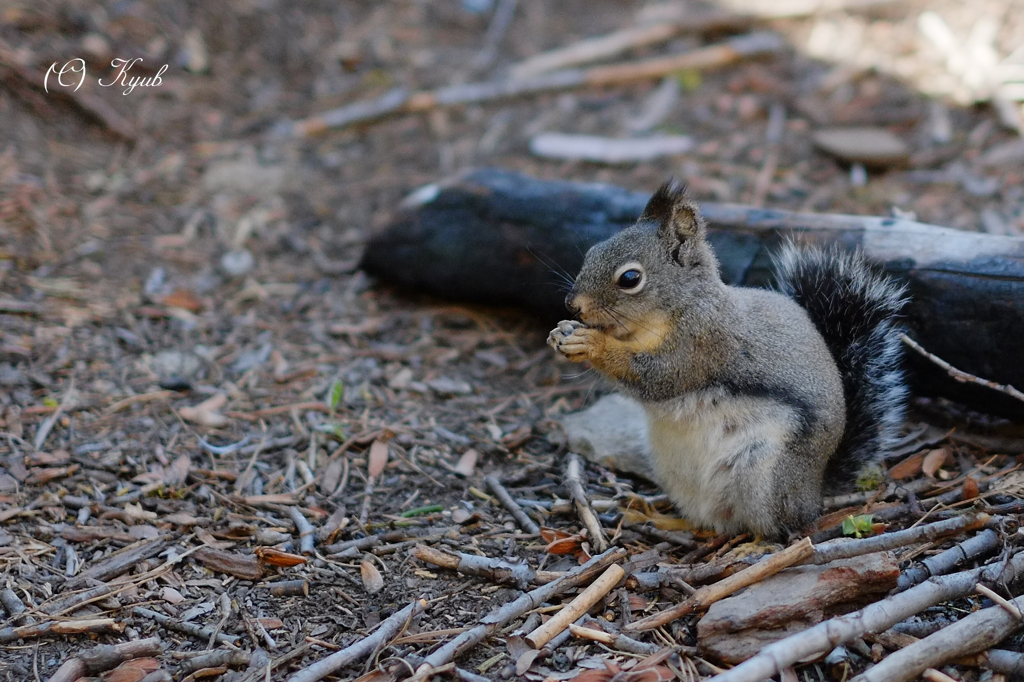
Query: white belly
x,y
713,454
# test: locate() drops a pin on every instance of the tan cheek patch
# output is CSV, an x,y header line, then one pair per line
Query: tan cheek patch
x,y
649,335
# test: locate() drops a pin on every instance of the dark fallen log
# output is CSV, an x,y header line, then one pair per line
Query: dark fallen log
x,y
501,238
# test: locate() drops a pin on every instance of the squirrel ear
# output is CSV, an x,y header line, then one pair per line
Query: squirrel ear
x,y
675,215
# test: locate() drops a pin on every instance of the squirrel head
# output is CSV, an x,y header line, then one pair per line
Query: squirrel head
x,y
659,266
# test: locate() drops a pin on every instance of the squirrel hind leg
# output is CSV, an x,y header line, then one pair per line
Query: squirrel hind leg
x,y
756,548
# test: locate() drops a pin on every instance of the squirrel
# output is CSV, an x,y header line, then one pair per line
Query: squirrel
x,y
757,401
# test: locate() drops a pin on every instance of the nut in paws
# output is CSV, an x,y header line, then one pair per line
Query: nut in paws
x,y
572,339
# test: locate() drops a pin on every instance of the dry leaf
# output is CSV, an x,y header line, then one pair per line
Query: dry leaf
x,y
526,660
908,468
275,557
373,582
271,623
176,473
180,519
970,488
280,365
378,458
207,539
205,413
560,542
171,595
183,298
137,513
467,463
934,460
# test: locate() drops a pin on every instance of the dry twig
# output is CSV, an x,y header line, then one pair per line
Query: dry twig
x,y
495,570
577,607
510,505
394,624
105,657
969,635
500,616
574,485
197,631
60,627
399,101
962,376
943,562
823,554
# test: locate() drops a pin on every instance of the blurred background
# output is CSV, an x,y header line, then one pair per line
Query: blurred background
x,y
179,258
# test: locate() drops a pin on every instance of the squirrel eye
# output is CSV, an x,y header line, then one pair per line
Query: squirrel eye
x,y
630,279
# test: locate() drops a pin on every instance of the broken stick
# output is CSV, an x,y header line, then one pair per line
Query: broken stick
x,y
823,554
60,627
613,44
574,485
962,376
969,635
400,101
104,657
500,616
495,570
984,542
709,594
511,505
391,626
620,642
577,607
193,629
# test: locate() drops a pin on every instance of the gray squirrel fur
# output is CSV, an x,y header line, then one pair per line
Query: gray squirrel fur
x,y
757,402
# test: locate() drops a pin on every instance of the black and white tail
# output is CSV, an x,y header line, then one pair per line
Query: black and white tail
x,y
855,309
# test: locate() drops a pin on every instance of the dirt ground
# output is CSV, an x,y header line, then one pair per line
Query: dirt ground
x,y
176,279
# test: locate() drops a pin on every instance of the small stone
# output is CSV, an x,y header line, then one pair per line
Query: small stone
x,y
194,52
237,262
869,146
612,432
447,388
401,380
173,367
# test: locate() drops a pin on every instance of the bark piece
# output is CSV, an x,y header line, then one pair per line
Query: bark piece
x,y
494,236
244,566
119,562
736,628
709,594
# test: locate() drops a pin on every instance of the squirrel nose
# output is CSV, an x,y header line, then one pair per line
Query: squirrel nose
x,y
570,302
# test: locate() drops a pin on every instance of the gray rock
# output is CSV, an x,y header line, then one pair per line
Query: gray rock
x,y
869,146
612,432
246,177
172,363
449,387
237,262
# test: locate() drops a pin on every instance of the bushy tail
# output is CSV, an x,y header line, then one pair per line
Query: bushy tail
x,y
856,310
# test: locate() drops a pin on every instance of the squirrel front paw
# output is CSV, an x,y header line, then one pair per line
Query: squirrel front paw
x,y
572,339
